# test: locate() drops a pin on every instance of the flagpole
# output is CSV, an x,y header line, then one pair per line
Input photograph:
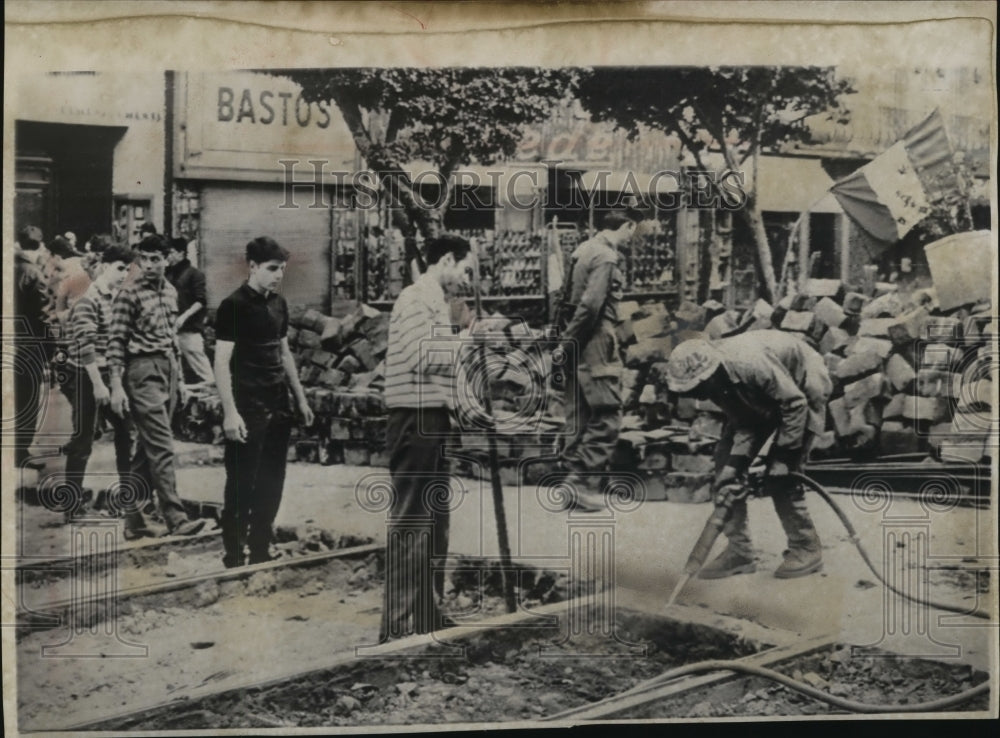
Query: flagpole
x,y
793,237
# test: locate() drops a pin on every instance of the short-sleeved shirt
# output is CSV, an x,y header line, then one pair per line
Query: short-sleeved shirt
x,y
256,324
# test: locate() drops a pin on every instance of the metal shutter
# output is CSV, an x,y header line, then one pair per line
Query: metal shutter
x,y
234,214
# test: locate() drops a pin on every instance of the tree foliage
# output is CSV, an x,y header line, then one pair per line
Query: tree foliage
x,y
450,117
738,112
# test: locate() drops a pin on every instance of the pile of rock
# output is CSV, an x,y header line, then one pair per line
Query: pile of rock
x,y
909,378
342,368
341,365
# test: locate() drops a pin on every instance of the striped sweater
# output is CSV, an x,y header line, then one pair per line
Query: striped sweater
x,y
423,352
87,327
142,321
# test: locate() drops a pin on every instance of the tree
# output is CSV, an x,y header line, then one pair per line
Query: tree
x,y
738,112
450,117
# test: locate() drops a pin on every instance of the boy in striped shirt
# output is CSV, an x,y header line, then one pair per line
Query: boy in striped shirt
x,y
86,382
144,363
419,394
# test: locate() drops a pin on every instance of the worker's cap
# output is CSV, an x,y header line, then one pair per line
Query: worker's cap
x,y
691,363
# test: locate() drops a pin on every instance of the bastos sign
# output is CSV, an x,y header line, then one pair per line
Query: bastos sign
x,y
242,125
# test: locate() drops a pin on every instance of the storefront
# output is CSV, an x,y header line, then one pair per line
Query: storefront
x,y
90,153
252,158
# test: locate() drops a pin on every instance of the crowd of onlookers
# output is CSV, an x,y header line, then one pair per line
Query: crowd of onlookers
x,y
63,310
117,328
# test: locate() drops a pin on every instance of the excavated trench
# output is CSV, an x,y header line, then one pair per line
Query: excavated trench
x,y
494,675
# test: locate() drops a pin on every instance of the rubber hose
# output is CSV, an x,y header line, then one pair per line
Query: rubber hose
x,y
787,681
818,488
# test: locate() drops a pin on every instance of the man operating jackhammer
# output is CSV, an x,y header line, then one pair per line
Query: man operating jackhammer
x,y
766,382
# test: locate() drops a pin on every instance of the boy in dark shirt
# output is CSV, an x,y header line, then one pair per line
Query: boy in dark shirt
x,y
253,369
191,300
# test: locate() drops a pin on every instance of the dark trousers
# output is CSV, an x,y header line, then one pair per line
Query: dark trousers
x,y
255,476
29,386
786,495
593,404
79,391
417,525
151,385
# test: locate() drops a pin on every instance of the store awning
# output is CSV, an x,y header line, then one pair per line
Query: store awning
x,y
792,185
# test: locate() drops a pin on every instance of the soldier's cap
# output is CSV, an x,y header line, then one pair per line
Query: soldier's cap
x,y
691,363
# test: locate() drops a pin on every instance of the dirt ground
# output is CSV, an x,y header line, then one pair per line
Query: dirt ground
x,y
274,622
208,636
505,675
879,679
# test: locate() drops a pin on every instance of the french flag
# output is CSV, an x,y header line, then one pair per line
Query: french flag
x,y
897,189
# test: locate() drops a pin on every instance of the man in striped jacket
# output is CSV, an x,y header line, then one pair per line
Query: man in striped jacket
x,y
144,363
86,382
420,394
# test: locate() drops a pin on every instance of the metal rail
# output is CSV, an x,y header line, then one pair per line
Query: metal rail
x,y
58,613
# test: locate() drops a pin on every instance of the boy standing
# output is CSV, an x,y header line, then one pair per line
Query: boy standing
x,y
143,363
191,300
86,383
420,393
253,369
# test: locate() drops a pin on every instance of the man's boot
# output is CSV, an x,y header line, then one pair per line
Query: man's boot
x,y
728,563
738,555
580,496
805,553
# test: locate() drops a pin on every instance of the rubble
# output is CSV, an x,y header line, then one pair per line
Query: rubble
x,y
908,377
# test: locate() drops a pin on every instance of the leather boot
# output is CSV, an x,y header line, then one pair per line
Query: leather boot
x,y
728,563
805,552
798,563
738,556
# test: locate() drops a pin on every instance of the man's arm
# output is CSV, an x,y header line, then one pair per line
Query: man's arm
x,y
292,375
232,422
118,332
778,384
200,298
588,310
82,326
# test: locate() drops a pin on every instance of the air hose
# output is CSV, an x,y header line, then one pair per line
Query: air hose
x,y
818,489
594,709
787,681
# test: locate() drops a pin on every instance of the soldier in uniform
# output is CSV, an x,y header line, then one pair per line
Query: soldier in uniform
x,y
767,383
593,388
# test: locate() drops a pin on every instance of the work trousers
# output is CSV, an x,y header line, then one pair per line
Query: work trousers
x,y
192,346
29,388
151,385
786,495
417,525
79,391
593,404
255,475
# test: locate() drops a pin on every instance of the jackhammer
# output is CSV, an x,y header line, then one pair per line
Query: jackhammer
x,y
725,497
729,494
